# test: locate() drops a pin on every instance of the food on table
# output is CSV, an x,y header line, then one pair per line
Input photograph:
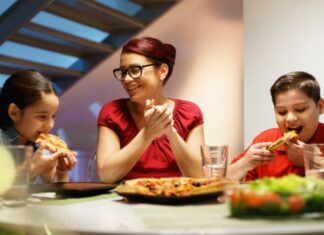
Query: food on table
x,y
173,186
289,195
290,135
7,170
53,143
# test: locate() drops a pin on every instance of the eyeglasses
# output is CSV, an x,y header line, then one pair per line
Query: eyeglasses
x,y
135,71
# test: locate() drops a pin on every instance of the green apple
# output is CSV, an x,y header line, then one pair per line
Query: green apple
x,y
7,170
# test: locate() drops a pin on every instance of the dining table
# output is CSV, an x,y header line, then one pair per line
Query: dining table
x,y
109,213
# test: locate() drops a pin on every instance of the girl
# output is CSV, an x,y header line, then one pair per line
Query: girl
x,y
28,104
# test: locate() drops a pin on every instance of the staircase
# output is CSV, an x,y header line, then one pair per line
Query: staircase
x,y
65,39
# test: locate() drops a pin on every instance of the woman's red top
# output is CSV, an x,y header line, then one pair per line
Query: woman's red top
x,y
157,160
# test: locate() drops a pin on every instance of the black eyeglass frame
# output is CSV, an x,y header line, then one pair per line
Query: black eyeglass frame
x,y
124,72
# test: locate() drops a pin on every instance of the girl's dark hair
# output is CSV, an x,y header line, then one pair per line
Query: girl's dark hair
x,y
23,88
153,49
297,80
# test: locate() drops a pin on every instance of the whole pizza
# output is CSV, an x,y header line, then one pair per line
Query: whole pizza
x,y
174,186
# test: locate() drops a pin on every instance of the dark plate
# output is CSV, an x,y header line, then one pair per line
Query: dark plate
x,y
173,200
72,189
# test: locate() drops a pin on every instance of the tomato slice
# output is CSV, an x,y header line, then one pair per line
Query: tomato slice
x,y
296,203
252,199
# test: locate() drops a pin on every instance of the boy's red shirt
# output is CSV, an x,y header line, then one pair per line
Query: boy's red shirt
x,y
280,165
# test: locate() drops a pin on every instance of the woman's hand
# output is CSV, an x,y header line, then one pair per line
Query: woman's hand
x,y
158,119
257,155
295,152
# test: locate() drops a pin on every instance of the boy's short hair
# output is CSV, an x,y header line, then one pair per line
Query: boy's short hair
x,y
297,80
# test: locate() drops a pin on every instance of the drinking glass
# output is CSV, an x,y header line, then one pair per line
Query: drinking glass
x,y
314,160
14,174
214,160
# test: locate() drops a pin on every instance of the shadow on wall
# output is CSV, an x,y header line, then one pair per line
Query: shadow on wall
x,y
77,115
231,10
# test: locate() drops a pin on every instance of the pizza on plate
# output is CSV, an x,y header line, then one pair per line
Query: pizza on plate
x,y
173,186
53,143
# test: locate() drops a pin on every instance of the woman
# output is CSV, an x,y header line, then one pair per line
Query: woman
x,y
28,104
148,134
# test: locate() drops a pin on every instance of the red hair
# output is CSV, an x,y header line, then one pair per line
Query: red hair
x,y
153,49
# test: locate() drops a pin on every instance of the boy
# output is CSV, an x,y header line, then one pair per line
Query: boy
x,y
297,105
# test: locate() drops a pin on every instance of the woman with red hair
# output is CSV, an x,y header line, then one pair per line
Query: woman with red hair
x,y
148,134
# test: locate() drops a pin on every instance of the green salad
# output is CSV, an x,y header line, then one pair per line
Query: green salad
x,y
289,195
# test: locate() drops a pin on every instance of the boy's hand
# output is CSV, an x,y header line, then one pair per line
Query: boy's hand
x,y
295,152
257,155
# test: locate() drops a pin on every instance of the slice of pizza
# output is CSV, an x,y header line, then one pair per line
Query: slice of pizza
x,y
53,143
291,135
210,185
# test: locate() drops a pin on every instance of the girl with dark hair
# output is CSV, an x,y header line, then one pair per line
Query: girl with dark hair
x,y
148,134
297,105
28,104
